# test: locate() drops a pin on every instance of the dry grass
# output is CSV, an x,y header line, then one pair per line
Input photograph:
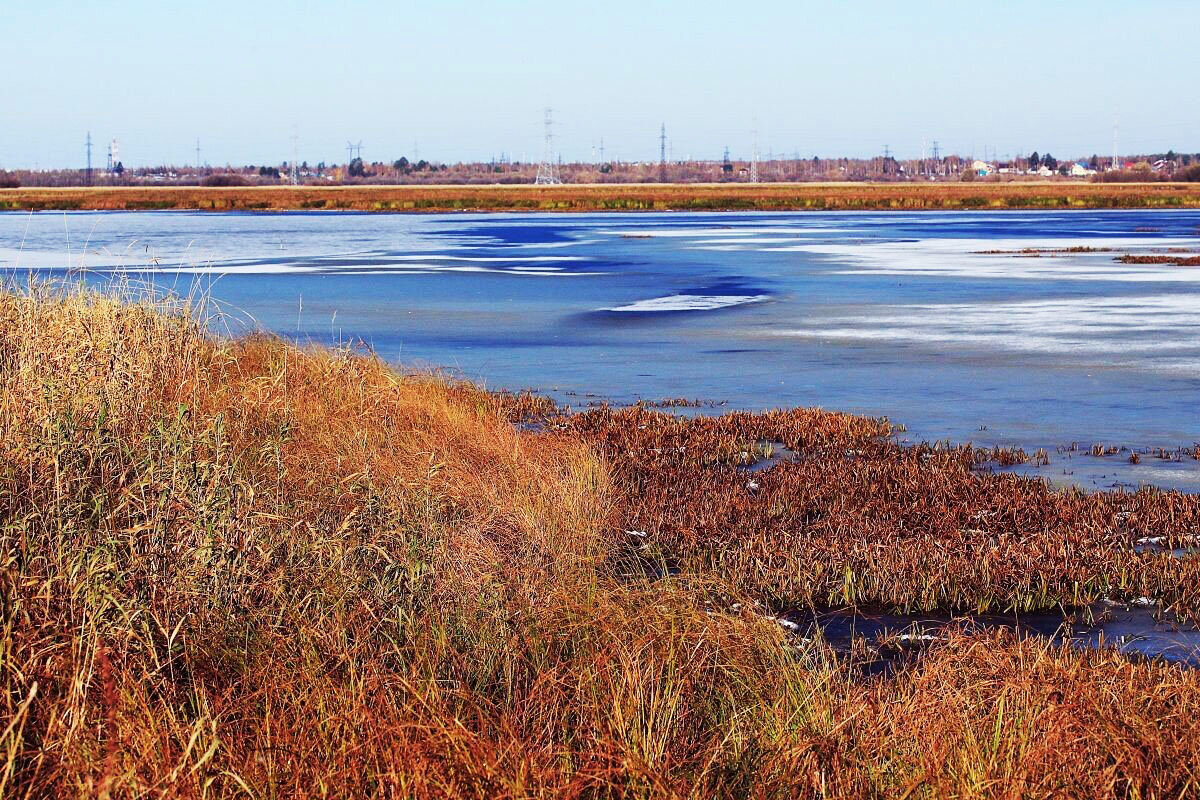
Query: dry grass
x,y
617,197
239,569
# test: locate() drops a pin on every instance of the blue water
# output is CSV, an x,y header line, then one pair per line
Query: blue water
x,y
886,314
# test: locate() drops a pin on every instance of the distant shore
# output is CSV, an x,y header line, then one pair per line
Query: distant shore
x,y
957,196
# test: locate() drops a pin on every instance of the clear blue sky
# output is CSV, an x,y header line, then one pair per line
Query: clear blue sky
x,y
468,79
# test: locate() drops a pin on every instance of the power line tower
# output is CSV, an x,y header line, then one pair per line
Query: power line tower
x,y
754,158
601,149
662,154
937,158
114,156
354,151
88,173
1116,163
198,162
295,170
547,174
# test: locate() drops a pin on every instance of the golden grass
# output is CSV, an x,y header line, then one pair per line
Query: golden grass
x,y
616,197
240,569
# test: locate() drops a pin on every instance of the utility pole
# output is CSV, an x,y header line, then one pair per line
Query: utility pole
x,y
88,172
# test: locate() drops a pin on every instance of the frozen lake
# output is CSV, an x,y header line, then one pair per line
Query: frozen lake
x,y
937,320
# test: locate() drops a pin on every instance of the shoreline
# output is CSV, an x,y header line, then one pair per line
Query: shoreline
x,y
956,196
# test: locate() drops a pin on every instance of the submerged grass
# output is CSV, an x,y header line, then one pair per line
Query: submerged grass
x,y
244,569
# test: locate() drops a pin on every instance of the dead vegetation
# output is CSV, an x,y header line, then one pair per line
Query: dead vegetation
x,y
615,197
240,569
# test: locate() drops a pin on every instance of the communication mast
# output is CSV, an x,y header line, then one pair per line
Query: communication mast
x,y
88,144
114,156
547,174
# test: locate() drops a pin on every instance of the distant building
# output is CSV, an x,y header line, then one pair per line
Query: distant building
x,y
982,168
1079,170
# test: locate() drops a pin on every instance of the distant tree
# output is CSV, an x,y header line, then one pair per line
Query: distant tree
x,y
356,169
224,179
401,164
1185,159
9,181
1035,160
1095,162
422,164
1049,162
119,168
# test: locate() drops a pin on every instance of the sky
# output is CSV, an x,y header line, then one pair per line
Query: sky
x,y
465,80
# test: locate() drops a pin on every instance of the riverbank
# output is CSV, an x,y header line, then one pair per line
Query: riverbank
x,y
240,567
955,196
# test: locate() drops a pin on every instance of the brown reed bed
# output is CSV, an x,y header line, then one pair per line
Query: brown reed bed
x,y
615,197
241,569
1175,261
856,519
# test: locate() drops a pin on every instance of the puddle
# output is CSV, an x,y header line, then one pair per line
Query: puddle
x,y
778,454
1138,629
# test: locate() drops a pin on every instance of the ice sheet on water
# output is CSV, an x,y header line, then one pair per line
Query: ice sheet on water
x,y
689,302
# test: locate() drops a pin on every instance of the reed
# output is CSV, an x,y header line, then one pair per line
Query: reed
x,y
616,197
244,569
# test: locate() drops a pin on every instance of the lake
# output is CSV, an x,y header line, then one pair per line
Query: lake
x,y
937,320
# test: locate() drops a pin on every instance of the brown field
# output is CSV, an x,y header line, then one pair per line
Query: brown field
x,y
617,197
241,569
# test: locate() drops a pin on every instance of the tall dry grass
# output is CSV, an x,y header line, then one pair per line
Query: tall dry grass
x,y
242,569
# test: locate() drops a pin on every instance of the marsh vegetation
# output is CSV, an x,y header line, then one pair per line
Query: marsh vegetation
x,y
238,568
